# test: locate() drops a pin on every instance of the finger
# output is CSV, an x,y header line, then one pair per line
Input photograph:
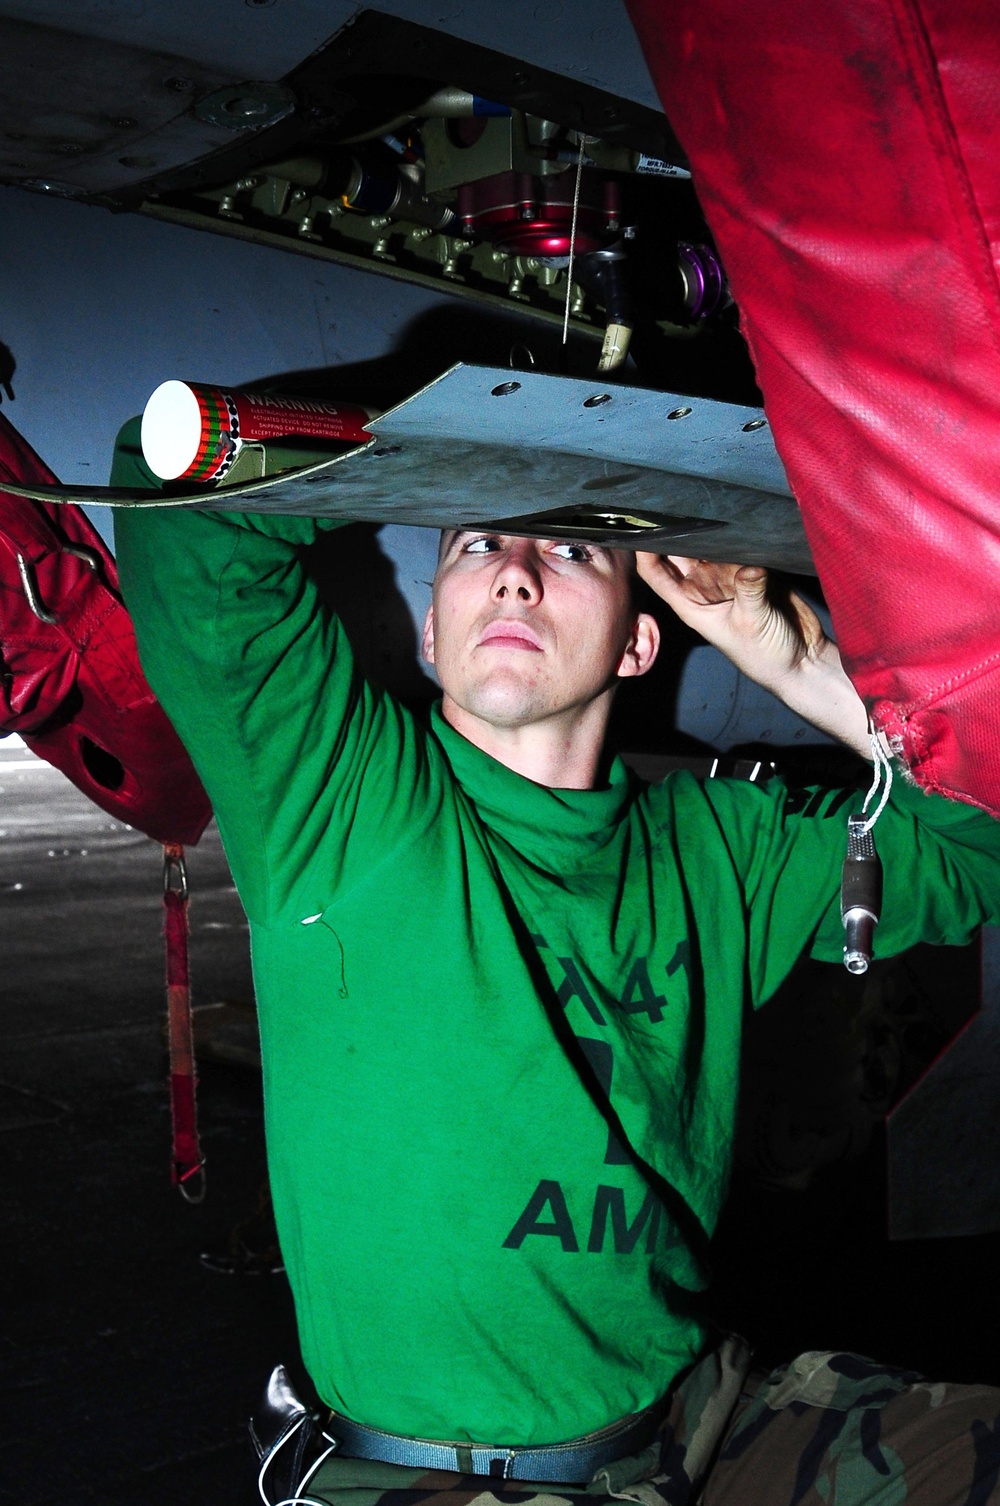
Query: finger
x,y
658,570
713,581
676,578
750,586
649,563
678,566
809,625
662,575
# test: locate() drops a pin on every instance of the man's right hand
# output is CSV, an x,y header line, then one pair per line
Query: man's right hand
x,y
774,638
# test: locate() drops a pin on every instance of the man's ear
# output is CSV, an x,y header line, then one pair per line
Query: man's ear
x,y
427,637
642,648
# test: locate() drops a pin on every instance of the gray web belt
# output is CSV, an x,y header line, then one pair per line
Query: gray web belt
x,y
574,1462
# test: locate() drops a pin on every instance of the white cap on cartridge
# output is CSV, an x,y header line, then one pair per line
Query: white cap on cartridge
x,y
172,430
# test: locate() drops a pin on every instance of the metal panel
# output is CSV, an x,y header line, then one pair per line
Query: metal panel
x,y
591,40
85,115
482,444
250,38
631,425
97,99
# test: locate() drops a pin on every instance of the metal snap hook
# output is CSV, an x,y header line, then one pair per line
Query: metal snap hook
x,y
29,580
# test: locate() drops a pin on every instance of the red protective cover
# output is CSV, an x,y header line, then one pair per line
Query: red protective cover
x,y
847,156
73,689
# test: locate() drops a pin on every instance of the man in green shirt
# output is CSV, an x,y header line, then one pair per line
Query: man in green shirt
x,y
501,989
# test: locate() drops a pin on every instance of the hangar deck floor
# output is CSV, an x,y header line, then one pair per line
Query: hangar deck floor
x,y
127,1368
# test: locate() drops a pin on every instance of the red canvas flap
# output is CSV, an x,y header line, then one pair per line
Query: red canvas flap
x,y
72,686
847,160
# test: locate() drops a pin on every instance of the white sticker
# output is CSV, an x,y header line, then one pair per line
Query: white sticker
x,y
656,167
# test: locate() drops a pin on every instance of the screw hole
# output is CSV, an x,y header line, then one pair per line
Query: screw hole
x,y
598,400
505,389
679,413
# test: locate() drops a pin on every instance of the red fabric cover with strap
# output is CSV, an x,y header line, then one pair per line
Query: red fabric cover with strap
x,y
74,690
847,156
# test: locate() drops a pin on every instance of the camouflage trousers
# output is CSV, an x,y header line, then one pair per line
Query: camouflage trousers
x,y
828,1430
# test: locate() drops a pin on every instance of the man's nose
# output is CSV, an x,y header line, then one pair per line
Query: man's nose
x,y
517,576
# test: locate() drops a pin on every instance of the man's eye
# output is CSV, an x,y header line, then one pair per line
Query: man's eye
x,y
579,554
483,544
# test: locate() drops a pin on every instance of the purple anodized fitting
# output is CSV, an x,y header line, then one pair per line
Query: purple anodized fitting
x,y
703,278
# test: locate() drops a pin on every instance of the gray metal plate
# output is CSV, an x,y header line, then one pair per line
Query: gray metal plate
x,y
457,455
87,104
591,40
559,413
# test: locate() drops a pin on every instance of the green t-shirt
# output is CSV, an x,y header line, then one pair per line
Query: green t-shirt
x,y
500,1023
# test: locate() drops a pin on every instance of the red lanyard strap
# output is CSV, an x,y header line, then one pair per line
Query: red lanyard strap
x,y
187,1166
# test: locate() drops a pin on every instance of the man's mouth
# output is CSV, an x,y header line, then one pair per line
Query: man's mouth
x,y
508,634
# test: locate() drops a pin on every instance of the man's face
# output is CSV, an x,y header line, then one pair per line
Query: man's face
x,y
524,630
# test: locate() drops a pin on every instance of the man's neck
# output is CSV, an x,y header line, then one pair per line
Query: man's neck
x,y
563,753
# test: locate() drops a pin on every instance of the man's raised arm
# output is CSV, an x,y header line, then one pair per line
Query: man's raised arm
x,y
260,683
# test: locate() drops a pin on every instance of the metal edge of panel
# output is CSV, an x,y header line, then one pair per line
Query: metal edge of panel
x,y
545,493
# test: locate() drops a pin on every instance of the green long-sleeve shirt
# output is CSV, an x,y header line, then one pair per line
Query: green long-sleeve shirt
x,y
500,1023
